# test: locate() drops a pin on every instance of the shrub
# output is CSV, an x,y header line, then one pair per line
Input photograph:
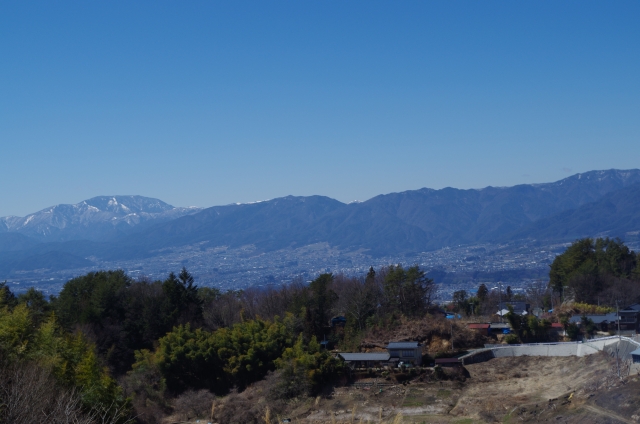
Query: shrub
x,y
512,339
194,404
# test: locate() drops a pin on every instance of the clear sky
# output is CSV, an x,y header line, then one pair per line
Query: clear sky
x,y
215,102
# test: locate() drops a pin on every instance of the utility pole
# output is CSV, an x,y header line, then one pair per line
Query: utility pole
x,y
451,323
619,339
500,297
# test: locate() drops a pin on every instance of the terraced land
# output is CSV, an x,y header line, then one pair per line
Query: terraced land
x,y
507,390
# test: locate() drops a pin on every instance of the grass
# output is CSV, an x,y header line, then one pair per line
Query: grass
x,y
506,419
464,421
409,402
444,393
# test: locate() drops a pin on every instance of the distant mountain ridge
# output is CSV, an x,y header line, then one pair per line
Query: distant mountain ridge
x,y
126,227
615,214
411,221
100,218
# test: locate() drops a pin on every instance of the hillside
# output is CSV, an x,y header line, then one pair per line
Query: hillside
x,y
508,390
616,214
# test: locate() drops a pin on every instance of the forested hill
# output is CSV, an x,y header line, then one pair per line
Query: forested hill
x,y
588,204
616,213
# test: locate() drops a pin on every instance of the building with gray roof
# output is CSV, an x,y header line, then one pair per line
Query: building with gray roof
x,y
407,352
365,360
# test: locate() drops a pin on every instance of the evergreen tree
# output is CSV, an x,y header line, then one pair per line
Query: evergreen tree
x,y
588,266
483,292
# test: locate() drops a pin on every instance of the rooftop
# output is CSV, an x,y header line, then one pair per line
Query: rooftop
x,y
481,326
597,319
500,325
447,360
375,356
403,345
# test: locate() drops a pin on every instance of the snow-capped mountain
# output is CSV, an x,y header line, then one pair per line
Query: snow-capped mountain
x,y
100,218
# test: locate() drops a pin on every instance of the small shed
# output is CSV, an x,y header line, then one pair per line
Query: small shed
x,y
448,362
500,328
365,360
484,329
635,356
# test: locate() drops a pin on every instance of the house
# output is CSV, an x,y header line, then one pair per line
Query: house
x,y
484,329
629,317
635,307
604,322
520,308
407,352
365,360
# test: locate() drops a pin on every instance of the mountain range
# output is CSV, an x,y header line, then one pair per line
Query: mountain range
x,y
125,227
101,218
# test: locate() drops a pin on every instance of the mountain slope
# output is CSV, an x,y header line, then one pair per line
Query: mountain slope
x,y
615,215
410,221
273,224
100,218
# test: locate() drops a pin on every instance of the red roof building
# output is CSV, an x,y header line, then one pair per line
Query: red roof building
x,y
482,328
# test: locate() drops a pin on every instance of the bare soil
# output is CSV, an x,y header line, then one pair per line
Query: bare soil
x,y
506,390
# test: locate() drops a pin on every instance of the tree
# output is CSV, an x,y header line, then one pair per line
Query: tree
x,y
528,328
92,298
460,300
319,305
409,292
183,303
240,355
588,267
71,359
37,304
371,275
7,298
304,368
358,299
483,292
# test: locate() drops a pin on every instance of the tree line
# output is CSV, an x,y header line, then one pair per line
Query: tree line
x,y
124,348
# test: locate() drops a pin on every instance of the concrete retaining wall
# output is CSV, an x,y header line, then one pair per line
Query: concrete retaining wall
x,y
625,347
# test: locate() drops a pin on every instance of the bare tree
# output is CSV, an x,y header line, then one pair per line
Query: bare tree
x,y
29,394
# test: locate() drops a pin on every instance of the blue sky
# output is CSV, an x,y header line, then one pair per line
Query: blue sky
x,y
208,103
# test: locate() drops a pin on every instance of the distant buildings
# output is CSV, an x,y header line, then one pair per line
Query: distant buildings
x,y
629,319
519,308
